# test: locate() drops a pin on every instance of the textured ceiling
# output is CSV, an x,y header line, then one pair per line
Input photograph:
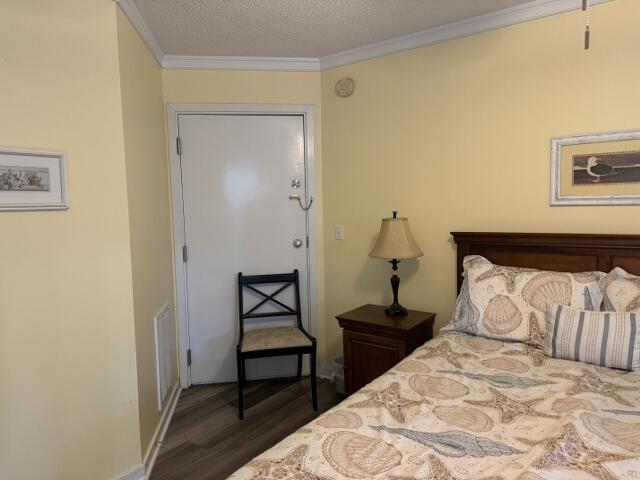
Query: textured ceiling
x,y
296,28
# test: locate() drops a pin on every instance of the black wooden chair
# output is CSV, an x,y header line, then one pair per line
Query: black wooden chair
x,y
272,341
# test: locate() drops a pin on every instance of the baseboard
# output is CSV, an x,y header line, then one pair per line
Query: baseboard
x,y
323,372
161,430
327,373
143,472
136,474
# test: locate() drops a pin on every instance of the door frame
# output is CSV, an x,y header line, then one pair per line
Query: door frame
x,y
174,110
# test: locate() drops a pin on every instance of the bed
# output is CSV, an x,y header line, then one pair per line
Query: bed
x,y
467,407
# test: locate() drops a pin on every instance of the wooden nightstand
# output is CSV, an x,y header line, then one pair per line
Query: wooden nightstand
x,y
374,341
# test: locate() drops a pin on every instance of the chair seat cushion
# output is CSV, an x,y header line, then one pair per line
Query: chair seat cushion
x,y
274,337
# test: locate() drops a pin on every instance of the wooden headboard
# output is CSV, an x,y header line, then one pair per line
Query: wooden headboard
x,y
551,251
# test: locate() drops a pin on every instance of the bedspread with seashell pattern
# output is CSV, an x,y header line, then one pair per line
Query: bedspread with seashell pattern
x,y
469,408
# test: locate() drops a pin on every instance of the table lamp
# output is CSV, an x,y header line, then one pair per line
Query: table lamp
x,y
395,242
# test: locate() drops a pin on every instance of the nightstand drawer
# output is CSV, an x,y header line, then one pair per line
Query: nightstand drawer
x,y
368,356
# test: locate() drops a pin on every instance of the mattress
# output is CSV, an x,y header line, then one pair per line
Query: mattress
x,y
465,407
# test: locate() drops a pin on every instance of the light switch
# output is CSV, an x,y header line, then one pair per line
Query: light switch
x,y
339,232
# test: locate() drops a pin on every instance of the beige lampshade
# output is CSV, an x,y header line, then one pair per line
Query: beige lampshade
x,y
395,240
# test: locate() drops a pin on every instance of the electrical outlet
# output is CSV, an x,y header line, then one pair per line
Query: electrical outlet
x,y
339,232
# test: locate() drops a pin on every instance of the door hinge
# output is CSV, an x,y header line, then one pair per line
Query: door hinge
x,y
189,358
179,145
184,253
307,241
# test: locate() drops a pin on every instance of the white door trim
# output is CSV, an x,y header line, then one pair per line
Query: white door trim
x,y
173,111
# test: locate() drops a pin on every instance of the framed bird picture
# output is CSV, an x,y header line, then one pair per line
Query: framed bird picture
x,y
600,169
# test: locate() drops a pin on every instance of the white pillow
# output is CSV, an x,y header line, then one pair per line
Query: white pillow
x,y
510,303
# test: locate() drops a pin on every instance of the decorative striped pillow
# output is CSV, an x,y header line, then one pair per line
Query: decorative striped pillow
x,y
609,339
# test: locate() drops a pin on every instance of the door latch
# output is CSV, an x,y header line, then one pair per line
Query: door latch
x,y
297,197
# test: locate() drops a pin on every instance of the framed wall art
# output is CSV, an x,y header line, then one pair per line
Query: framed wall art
x,y
31,180
600,169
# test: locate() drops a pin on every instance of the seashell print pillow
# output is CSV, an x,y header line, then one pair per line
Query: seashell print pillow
x,y
510,303
621,291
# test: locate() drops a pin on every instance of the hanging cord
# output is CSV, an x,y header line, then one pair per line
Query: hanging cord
x,y
586,7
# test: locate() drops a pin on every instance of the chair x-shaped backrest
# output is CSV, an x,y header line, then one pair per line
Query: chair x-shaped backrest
x,y
251,282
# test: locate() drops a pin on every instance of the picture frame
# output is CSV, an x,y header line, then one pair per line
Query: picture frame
x,y
32,180
597,169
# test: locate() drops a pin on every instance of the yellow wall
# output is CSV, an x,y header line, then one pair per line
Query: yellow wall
x,y
202,86
67,352
456,136
149,211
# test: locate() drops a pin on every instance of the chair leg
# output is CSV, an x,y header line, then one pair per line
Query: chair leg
x,y
244,372
299,375
314,391
240,380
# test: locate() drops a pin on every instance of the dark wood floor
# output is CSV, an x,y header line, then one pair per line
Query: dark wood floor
x,y
206,441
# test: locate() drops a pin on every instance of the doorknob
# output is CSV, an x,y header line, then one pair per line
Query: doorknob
x,y
297,243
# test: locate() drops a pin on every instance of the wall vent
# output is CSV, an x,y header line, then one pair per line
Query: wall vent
x,y
166,369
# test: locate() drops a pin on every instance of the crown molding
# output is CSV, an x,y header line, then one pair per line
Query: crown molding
x,y
133,14
483,23
199,62
464,28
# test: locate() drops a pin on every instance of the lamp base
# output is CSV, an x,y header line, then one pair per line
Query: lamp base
x,y
396,309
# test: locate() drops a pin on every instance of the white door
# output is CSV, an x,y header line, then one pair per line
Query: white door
x,y
238,171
